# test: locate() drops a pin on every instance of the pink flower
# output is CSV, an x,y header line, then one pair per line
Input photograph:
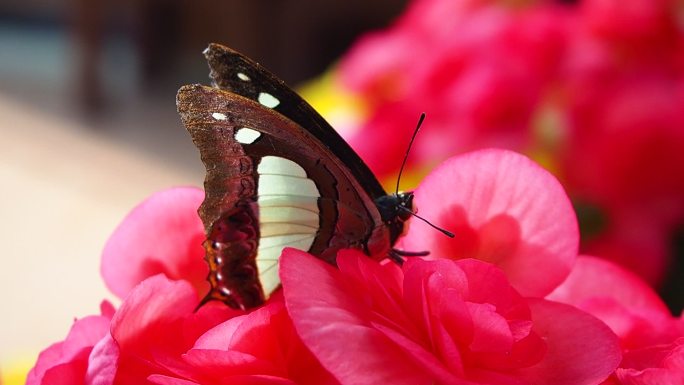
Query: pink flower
x,y
504,209
163,234
154,326
477,69
66,362
626,161
258,348
651,339
156,336
438,322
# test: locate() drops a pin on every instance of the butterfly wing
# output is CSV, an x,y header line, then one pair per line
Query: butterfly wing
x,y
234,72
270,184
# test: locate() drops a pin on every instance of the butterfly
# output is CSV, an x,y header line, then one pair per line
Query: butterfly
x,y
277,175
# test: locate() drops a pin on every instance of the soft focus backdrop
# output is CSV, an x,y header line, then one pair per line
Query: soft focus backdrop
x,y
593,90
89,128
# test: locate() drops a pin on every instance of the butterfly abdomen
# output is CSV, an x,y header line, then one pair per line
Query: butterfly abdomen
x,y
230,248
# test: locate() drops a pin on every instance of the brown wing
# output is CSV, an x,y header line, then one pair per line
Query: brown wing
x,y
270,184
236,73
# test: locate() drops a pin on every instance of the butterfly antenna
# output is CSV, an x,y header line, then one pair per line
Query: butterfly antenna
x,y
443,231
415,132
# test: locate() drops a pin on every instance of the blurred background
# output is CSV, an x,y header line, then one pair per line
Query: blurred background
x,y
593,90
89,128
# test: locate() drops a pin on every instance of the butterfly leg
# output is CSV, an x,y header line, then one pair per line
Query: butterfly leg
x,y
405,253
395,257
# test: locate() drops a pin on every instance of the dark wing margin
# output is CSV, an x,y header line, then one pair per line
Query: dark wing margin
x,y
234,72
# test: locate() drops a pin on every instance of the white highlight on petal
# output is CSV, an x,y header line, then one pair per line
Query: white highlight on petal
x,y
243,77
219,116
274,165
247,135
268,100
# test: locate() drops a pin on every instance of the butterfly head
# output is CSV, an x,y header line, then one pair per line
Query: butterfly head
x,y
395,210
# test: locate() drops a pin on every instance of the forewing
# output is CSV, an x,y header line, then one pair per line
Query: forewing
x,y
236,73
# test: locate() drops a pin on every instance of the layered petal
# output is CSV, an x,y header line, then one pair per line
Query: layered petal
x,y
447,322
66,362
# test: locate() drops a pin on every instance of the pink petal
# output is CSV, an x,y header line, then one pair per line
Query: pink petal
x,y
219,363
103,362
163,234
228,380
504,209
662,364
166,380
219,337
262,342
581,349
593,277
149,311
71,355
335,329
70,373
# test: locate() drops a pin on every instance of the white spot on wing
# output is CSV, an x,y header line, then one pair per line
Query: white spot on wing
x,y
268,276
268,257
268,100
286,185
275,229
283,240
218,116
274,165
292,215
246,135
243,77
288,214
306,203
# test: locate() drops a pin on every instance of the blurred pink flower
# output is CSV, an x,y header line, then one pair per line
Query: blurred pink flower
x,y
593,90
652,339
477,69
438,322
